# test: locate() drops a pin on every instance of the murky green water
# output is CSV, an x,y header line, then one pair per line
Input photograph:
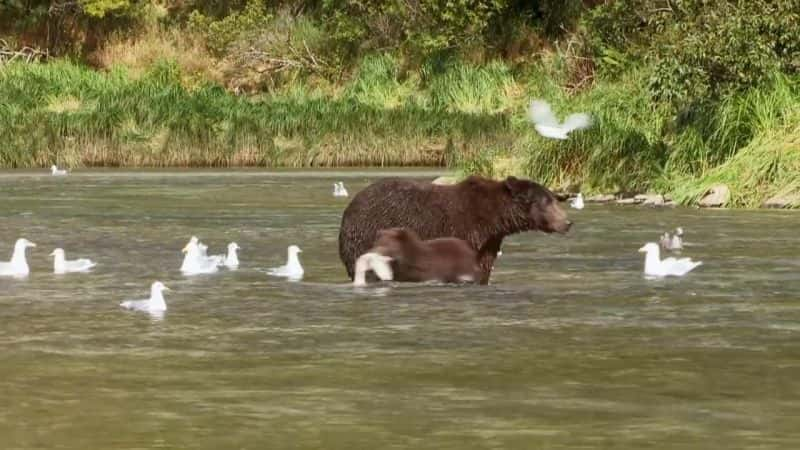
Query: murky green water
x,y
569,348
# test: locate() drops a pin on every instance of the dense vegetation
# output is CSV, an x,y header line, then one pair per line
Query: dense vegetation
x,y
685,93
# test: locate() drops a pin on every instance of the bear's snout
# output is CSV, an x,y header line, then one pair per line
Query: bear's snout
x,y
554,219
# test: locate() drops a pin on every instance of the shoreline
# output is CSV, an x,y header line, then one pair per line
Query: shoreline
x,y
436,174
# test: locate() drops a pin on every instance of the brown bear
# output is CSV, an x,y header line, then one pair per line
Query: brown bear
x,y
449,260
478,210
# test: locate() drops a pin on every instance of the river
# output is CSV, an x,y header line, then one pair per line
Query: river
x,y
570,347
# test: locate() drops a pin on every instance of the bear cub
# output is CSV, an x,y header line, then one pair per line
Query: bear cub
x,y
449,260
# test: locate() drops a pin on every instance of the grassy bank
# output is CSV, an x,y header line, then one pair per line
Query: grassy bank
x,y
683,97
469,117
748,141
72,115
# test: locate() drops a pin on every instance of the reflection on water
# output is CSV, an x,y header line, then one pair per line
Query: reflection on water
x,y
570,347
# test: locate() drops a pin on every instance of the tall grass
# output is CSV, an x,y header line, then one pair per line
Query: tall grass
x,y
378,83
759,132
748,141
455,86
139,53
65,113
622,150
470,117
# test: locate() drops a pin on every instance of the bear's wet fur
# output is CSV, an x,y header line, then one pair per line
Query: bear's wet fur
x,y
449,260
477,210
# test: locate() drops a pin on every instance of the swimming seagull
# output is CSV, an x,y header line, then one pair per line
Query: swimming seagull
x,y
655,266
232,258
195,262
339,190
216,259
547,125
375,262
55,171
577,202
61,265
153,305
18,266
292,270
675,242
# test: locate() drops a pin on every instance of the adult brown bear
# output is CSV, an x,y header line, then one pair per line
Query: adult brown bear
x,y
449,260
478,210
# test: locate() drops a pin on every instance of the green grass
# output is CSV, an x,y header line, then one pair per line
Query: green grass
x,y
750,142
768,166
622,151
69,114
473,118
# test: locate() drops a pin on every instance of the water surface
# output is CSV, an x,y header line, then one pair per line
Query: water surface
x,y
570,347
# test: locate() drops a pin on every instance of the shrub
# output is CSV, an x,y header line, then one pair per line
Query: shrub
x,y
220,33
702,50
281,48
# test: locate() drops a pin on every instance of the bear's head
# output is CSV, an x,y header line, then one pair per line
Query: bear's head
x,y
538,205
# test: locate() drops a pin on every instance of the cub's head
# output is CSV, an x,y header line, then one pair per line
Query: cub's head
x,y
394,242
538,205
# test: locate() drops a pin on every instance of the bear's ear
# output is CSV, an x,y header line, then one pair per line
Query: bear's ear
x,y
513,186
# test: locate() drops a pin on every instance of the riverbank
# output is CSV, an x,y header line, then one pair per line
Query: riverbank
x,y
469,118
74,116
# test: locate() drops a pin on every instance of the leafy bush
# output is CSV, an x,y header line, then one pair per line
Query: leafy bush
x,y
220,33
424,27
282,47
702,50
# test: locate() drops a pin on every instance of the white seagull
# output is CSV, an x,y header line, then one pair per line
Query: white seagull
x,y
18,266
375,262
655,266
55,171
232,258
339,190
61,265
217,259
577,202
292,270
547,125
195,262
675,242
153,305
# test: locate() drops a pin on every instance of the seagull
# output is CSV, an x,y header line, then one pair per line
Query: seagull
x,y
217,259
195,262
376,262
675,242
232,259
292,270
655,266
339,190
547,125
61,265
18,266
55,171
577,202
153,305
